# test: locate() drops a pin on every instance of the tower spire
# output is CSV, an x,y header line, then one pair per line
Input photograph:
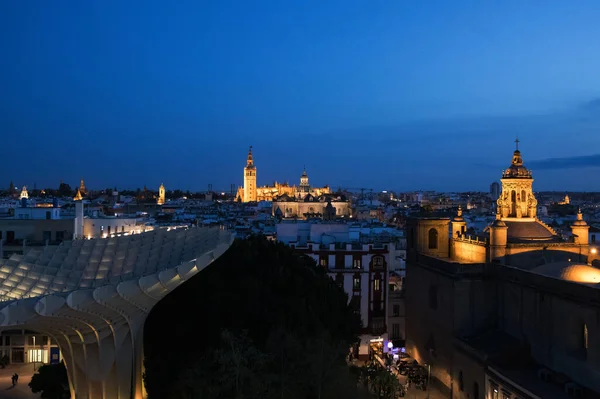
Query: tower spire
x,y
517,143
250,159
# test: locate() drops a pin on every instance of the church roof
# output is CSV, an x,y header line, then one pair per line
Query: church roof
x,y
520,231
570,271
528,231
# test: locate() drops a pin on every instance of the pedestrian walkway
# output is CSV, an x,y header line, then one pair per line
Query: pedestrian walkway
x,y
21,390
431,393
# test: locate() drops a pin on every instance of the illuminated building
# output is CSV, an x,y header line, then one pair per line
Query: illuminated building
x,y
82,188
325,206
506,314
161,195
251,192
24,194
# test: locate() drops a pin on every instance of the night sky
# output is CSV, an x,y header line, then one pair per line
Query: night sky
x,y
399,95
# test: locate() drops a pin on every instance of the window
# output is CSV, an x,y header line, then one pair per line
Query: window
x,y
396,311
122,229
376,284
323,261
378,261
31,340
60,235
47,236
461,382
475,390
433,239
7,340
356,283
109,230
433,297
585,336
357,263
395,330
48,215
45,340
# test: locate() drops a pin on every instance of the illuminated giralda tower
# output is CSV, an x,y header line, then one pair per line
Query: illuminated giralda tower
x,y
250,179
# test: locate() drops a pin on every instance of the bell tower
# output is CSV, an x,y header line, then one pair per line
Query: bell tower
x,y
517,199
161,195
250,179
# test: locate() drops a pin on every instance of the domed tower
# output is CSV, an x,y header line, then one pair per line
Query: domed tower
x,y
517,199
250,179
304,186
580,230
459,226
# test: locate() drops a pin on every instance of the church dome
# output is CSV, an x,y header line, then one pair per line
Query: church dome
x,y
568,271
516,168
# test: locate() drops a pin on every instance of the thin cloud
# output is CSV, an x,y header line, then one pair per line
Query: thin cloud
x,y
566,163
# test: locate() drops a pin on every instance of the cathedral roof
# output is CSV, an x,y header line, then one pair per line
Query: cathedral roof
x,y
520,231
570,271
529,231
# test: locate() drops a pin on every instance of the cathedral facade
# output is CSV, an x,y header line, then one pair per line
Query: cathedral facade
x,y
250,192
508,312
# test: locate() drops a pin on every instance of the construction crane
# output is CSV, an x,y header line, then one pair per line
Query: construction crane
x,y
362,191
231,190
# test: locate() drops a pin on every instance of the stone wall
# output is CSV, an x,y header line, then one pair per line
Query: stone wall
x,y
468,251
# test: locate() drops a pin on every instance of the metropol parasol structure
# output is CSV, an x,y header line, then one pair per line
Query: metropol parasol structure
x,y
93,296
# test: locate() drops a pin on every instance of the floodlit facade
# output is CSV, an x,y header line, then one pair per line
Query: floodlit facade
x,y
92,297
250,192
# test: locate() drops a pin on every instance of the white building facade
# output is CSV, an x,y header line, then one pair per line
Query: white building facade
x,y
356,262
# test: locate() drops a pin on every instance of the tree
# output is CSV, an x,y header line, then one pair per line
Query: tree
x,y
64,190
275,326
52,381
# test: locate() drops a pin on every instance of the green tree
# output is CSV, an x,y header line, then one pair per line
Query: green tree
x,y
52,381
276,326
4,360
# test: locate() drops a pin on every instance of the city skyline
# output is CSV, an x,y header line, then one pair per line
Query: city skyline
x,y
398,96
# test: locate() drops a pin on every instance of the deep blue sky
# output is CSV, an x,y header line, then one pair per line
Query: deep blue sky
x,y
386,94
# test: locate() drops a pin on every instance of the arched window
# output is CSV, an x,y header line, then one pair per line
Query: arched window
x,y
523,196
461,382
433,239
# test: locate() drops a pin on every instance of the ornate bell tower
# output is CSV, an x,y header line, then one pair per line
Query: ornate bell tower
x,y
161,195
517,199
250,179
